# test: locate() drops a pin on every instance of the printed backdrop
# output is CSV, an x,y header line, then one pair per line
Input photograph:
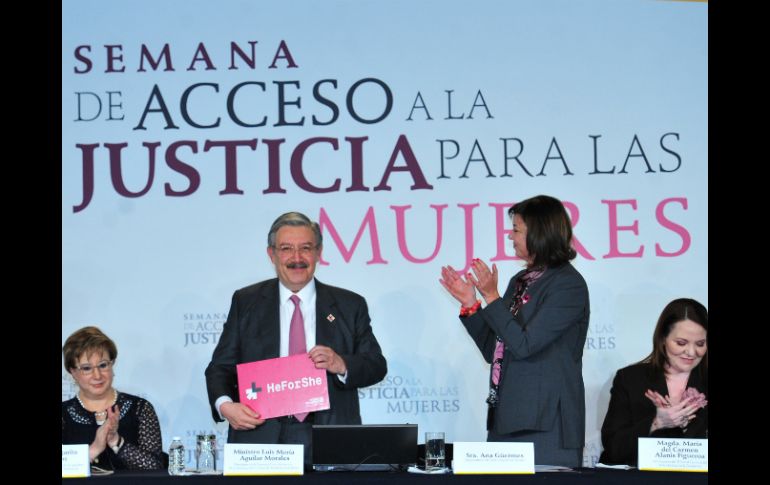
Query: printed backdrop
x,y
406,129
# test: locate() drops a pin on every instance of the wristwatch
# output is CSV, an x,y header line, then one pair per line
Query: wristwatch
x,y
116,448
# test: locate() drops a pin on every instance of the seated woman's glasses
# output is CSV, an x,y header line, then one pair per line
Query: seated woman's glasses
x,y
103,366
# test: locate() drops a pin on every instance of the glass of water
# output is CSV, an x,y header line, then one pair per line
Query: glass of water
x,y
205,453
434,451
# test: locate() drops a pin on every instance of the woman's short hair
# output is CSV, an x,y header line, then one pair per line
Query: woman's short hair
x,y
675,312
549,230
86,341
294,219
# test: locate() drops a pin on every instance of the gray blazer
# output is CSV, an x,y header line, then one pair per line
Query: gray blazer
x,y
252,332
542,373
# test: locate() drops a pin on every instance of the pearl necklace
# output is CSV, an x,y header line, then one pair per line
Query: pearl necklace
x,y
99,414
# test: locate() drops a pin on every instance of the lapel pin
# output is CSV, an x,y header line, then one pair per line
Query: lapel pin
x,y
330,317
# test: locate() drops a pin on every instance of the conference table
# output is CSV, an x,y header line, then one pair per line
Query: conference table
x,y
581,476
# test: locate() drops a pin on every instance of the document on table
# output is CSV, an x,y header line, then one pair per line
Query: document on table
x,y
615,467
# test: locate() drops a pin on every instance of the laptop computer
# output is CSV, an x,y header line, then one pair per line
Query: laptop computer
x,y
364,447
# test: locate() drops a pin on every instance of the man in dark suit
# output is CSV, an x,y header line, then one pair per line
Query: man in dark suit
x,y
337,333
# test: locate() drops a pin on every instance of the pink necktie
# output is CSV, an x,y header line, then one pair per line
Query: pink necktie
x,y
499,347
297,339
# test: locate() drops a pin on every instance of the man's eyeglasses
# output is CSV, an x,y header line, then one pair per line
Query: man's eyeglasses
x,y
286,250
103,366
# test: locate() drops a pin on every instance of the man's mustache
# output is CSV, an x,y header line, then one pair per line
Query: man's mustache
x,y
297,265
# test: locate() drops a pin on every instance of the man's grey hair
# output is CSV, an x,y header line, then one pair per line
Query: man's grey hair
x,y
294,219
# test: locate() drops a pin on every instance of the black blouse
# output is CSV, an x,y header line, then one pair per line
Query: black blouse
x,y
138,426
630,414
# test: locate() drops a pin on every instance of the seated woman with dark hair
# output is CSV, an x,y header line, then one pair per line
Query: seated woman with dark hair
x,y
664,395
122,430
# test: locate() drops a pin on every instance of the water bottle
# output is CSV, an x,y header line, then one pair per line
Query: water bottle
x,y
176,458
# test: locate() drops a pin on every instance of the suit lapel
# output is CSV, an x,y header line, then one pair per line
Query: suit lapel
x,y
658,384
325,320
268,320
696,380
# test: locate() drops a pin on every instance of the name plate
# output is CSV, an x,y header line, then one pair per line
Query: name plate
x,y
74,461
283,386
473,458
674,454
263,459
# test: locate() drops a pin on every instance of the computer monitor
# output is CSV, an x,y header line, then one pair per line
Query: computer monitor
x,y
364,447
